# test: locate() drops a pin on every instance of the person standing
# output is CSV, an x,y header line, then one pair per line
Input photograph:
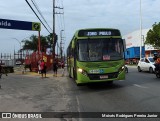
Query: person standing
x,y
55,67
0,71
43,68
156,58
39,67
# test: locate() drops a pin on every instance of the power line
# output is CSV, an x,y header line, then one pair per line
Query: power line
x,y
36,6
61,25
37,15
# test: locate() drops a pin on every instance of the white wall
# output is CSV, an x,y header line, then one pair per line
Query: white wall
x,y
133,39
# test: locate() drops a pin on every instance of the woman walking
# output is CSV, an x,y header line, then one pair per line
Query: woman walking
x,y
55,67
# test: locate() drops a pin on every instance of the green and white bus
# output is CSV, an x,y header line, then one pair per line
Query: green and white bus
x,y
96,55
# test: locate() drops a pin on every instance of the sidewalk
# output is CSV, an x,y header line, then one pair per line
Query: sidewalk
x,y
60,73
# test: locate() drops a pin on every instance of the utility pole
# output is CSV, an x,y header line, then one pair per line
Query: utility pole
x,y
53,30
140,31
61,48
54,34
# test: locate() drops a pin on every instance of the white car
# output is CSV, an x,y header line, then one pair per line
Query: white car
x,y
146,64
18,63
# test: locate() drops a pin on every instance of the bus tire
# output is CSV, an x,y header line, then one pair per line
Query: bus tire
x,y
74,74
69,73
81,84
110,82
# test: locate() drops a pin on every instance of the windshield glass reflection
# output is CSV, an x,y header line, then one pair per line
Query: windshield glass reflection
x,y
100,49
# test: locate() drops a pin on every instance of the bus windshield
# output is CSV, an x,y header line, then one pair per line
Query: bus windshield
x,y
107,49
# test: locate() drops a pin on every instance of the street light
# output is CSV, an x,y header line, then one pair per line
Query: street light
x,y
61,43
18,42
140,31
20,48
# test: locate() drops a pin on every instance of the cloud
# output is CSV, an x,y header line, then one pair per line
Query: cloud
x,y
121,14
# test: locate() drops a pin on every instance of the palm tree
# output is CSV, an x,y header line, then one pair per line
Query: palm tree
x,y
32,43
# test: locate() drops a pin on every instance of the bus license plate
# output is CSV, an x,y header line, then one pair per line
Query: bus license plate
x,y
104,77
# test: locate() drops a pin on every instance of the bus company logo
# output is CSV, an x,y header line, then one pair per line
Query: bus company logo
x,y
6,115
21,115
5,23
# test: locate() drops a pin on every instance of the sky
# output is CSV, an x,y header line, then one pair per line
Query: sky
x,y
77,14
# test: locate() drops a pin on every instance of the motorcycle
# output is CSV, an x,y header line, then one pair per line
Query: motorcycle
x,y
157,71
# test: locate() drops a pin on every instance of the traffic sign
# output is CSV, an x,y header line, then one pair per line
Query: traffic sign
x,y
20,25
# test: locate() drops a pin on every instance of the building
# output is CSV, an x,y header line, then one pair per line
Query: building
x,y
133,40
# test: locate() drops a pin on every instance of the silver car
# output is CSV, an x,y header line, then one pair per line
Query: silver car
x,y
146,64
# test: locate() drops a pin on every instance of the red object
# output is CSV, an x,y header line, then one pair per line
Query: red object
x,y
35,57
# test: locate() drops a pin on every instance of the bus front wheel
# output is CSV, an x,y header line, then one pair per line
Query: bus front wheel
x,y
110,82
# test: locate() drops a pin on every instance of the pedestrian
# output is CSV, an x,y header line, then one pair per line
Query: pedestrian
x,y
2,71
55,67
43,68
62,64
156,58
39,67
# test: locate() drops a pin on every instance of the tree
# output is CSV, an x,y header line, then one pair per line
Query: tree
x,y
153,36
49,39
32,43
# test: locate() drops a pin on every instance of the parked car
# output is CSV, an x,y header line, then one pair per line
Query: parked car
x,y
146,64
18,62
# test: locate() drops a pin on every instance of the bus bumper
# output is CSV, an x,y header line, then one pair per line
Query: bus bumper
x,y
84,79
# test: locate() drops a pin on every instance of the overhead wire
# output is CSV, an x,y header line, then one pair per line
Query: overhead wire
x,y
59,21
37,15
36,6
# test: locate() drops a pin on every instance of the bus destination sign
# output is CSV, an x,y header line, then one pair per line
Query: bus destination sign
x,y
98,33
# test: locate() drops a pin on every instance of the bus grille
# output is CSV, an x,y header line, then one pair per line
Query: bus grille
x,y
97,76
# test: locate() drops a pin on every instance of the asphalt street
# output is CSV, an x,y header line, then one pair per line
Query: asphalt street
x,y
29,92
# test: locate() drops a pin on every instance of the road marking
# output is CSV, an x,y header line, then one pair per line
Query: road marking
x,y
139,86
121,80
78,104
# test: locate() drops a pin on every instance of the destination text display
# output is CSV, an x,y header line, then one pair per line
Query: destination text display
x,y
85,33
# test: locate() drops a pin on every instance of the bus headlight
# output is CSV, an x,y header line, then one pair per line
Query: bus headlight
x,y
121,69
82,71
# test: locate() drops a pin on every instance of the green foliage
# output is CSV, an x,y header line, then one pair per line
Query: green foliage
x,y
153,36
32,42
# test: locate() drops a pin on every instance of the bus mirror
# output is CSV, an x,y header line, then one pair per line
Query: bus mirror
x,y
74,42
124,43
